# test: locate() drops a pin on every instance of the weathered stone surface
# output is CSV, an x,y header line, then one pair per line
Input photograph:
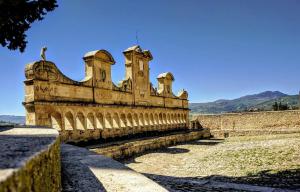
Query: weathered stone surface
x,y
251,123
29,160
84,170
96,107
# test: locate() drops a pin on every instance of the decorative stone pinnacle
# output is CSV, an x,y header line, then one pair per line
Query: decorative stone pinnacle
x,y
43,53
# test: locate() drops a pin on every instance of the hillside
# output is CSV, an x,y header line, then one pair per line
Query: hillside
x,y
291,100
263,101
12,119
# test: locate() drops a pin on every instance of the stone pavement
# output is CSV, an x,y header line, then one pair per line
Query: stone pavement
x,y
202,185
249,163
86,171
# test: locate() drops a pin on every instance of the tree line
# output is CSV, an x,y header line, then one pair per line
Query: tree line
x,y
279,106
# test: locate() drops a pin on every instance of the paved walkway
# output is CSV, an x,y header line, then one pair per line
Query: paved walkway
x,y
87,171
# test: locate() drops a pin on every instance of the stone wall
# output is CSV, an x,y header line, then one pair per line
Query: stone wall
x,y
29,160
252,122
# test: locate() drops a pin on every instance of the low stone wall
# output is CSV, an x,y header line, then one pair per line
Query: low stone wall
x,y
128,148
251,122
29,160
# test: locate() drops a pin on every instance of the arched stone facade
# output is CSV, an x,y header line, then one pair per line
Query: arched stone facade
x,y
96,107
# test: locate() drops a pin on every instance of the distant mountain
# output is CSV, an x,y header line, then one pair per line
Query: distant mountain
x,y
263,101
12,119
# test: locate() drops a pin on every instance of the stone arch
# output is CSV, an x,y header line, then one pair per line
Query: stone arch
x,y
56,121
135,120
123,120
129,120
141,119
175,119
182,118
80,121
146,118
185,118
172,119
108,121
178,118
116,121
168,119
151,119
90,123
69,121
156,119
164,119
100,121
160,119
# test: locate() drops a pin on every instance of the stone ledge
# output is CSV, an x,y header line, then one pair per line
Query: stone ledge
x,y
83,170
29,159
123,149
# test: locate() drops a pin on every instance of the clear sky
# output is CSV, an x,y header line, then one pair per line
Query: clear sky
x,y
215,48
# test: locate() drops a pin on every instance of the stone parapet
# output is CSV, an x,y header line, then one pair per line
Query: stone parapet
x,y
30,159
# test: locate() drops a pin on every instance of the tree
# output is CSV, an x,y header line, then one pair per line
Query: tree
x,y
282,107
275,106
16,16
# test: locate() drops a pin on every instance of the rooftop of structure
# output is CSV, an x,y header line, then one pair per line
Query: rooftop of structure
x,y
164,75
94,53
182,91
136,48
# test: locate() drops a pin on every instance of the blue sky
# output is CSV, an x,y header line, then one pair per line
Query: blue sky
x,y
215,48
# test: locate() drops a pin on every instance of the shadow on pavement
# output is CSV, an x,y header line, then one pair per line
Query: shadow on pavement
x,y
206,142
287,179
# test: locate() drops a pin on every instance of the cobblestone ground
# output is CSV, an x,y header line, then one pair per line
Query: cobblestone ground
x,y
233,164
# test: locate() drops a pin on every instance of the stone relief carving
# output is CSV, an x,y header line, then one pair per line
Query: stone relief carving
x,y
125,85
47,72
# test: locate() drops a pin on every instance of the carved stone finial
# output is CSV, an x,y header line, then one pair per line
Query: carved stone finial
x,y
43,54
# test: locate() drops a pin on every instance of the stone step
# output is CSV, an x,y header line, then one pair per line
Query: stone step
x,y
127,148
